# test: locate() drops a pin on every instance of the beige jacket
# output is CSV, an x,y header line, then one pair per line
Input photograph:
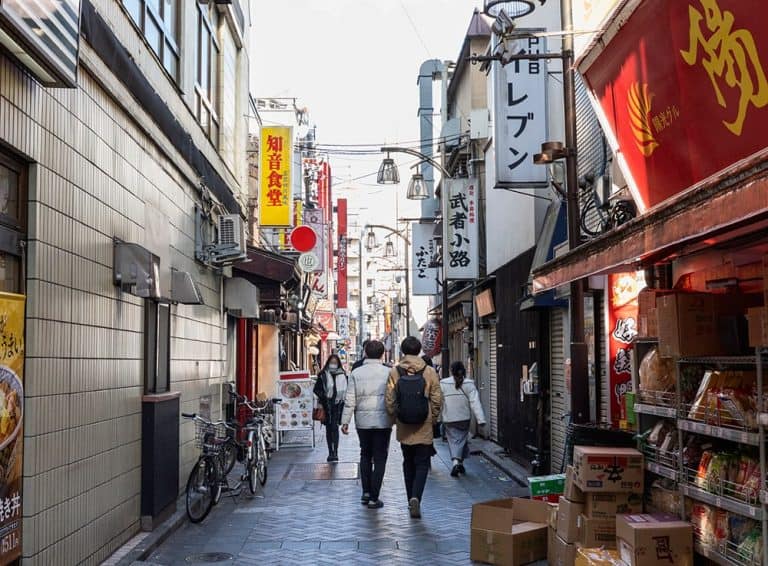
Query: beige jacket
x,y
412,433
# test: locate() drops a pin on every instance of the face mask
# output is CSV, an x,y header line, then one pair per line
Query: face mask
x,y
333,366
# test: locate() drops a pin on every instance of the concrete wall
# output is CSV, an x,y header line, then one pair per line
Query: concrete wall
x,y
100,169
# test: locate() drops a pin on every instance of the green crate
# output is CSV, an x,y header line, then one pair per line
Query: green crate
x,y
547,485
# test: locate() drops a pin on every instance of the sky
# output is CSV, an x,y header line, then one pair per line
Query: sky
x,y
354,65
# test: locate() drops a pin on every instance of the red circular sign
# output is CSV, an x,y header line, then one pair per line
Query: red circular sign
x,y
303,238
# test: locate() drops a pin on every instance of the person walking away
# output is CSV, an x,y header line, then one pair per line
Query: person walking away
x,y
331,388
460,401
360,362
365,400
415,399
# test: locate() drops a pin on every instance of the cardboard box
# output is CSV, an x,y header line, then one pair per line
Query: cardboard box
x,y
688,325
647,313
757,320
597,532
597,557
572,491
547,488
653,540
601,468
551,542
568,520
552,523
602,505
564,554
509,531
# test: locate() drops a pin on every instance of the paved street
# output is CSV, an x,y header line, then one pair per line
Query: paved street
x,y
302,521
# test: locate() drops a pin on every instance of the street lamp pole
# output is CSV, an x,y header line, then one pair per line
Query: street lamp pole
x,y
360,329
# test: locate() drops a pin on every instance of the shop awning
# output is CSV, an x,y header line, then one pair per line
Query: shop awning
x,y
732,206
267,265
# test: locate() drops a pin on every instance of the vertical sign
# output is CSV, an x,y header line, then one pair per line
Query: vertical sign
x,y
343,324
520,121
623,290
341,264
276,153
462,229
424,252
314,219
11,424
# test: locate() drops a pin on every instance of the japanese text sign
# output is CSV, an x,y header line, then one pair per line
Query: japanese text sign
x,y
682,89
343,326
424,256
275,176
11,424
341,258
462,229
313,217
623,290
520,120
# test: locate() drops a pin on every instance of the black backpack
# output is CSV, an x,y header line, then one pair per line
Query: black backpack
x,y
412,403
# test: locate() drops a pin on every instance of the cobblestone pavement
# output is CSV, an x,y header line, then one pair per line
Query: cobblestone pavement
x,y
298,521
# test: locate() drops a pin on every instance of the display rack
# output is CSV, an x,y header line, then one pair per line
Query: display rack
x,y
651,406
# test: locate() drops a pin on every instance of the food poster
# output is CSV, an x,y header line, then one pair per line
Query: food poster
x,y
11,424
295,408
623,290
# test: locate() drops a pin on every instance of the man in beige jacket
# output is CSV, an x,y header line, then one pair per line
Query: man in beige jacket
x,y
415,438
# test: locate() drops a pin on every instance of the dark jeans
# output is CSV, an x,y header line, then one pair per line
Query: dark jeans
x,y
332,437
416,460
374,449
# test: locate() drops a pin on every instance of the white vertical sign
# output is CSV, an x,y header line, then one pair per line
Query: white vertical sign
x,y
462,229
343,323
520,120
313,217
424,253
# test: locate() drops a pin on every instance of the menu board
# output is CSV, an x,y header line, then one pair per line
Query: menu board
x,y
294,412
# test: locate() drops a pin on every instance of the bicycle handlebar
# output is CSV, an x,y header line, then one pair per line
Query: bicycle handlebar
x,y
196,417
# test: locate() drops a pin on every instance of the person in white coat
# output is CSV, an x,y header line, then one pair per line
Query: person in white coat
x,y
461,400
365,399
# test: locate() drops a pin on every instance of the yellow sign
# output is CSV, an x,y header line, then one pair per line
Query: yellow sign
x,y
729,56
298,215
11,424
276,160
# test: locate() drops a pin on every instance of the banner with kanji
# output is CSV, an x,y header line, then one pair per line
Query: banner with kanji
x,y
11,424
623,290
462,229
275,177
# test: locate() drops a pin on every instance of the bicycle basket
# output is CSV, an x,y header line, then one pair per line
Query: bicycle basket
x,y
206,433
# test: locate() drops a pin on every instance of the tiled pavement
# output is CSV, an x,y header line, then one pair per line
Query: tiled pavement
x,y
322,522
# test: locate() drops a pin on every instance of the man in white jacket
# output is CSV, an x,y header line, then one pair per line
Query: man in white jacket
x,y
365,398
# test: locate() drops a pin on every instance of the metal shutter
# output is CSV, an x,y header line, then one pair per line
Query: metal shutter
x,y
559,395
493,384
600,332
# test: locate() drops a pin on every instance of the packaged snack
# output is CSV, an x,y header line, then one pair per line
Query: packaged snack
x,y
664,497
716,472
703,468
722,531
657,376
751,548
751,488
739,527
703,519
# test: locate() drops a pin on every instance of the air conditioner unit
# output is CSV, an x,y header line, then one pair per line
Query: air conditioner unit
x,y
268,316
231,244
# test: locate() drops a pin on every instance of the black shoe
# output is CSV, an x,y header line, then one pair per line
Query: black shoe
x,y
365,498
329,458
375,504
461,469
455,471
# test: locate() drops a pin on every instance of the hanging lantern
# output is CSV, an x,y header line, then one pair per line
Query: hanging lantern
x,y
431,338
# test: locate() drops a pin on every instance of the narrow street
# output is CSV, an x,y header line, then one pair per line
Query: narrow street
x,y
320,521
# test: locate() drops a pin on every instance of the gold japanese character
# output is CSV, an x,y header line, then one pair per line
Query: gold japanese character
x,y
729,54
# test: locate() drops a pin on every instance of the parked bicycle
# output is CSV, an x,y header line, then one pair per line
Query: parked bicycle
x,y
207,478
255,447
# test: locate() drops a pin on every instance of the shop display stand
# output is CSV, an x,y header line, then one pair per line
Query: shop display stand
x,y
651,406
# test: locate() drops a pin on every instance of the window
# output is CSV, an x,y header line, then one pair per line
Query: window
x,y
13,221
207,83
159,22
157,347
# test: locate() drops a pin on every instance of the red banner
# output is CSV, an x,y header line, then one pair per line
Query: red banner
x,y
341,263
623,289
682,87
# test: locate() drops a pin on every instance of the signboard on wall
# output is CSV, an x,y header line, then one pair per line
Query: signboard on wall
x,y
682,90
520,121
11,424
623,290
314,218
424,254
341,258
44,37
462,229
276,154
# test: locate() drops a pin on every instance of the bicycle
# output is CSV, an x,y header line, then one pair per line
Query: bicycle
x,y
204,486
255,446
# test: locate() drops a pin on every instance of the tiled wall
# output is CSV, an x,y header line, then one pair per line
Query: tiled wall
x,y
94,171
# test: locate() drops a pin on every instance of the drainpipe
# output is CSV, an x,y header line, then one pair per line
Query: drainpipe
x,y
430,71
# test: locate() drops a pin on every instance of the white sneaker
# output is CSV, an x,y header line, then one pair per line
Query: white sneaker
x,y
414,507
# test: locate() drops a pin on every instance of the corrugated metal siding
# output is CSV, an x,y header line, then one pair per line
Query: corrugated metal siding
x,y
605,390
559,395
589,136
493,383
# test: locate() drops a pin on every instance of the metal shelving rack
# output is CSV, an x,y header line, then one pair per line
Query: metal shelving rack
x,y
673,409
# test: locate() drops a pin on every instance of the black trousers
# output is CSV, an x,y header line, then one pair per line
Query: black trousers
x,y
374,449
416,462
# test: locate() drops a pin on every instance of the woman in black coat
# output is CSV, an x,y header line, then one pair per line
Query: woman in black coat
x,y
331,388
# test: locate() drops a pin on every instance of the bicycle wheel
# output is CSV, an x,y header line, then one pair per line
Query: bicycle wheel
x,y
250,471
216,478
199,494
228,455
261,462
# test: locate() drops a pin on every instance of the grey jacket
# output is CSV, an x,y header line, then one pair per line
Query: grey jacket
x,y
459,404
365,396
